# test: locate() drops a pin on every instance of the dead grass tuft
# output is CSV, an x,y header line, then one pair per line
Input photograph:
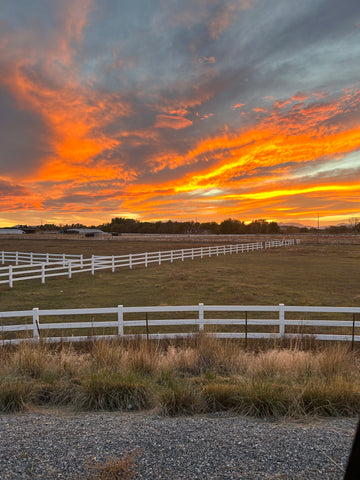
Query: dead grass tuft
x,y
113,469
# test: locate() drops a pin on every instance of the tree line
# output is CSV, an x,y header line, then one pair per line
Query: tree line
x,y
229,226
120,225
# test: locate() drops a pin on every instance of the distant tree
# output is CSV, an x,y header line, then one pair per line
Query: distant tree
x,y
211,227
48,227
273,228
232,226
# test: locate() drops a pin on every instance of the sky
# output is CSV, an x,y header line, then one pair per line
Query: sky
x,y
190,110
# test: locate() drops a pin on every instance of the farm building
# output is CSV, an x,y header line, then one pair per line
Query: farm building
x,y
88,232
11,231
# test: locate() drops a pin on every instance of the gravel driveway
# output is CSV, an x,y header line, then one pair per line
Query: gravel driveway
x,y
55,445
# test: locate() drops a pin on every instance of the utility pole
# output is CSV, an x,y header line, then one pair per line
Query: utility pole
x,y
318,229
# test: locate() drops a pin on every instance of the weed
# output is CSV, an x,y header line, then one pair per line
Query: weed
x,y
113,469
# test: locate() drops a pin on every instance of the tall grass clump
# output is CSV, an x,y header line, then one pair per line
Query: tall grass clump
x,y
14,395
104,390
178,396
202,374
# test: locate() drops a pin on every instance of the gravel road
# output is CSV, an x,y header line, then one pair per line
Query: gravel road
x,y
55,445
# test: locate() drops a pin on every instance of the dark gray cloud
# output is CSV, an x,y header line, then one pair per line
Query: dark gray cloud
x,y
23,140
8,189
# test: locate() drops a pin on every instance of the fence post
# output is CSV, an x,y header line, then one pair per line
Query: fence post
x,y
159,258
36,327
92,264
246,328
147,326
192,254
353,333
113,263
31,258
10,276
130,261
182,255
63,259
3,257
43,273
201,317
16,258
47,258
281,319
69,268
120,321
81,261
171,256
146,259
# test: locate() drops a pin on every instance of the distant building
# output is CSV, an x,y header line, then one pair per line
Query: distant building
x,y
11,231
87,232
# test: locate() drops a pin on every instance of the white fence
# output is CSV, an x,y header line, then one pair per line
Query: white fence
x,y
30,257
199,318
71,264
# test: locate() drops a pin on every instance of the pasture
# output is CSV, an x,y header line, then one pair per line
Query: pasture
x,y
307,274
199,375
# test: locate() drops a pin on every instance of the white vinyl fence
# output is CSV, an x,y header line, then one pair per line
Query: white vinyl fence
x,y
31,258
153,322
46,265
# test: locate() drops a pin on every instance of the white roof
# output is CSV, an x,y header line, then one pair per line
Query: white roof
x,y
11,231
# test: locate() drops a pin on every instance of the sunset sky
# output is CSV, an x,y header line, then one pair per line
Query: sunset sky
x,y
179,109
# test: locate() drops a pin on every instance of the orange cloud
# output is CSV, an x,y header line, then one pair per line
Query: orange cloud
x,y
172,121
207,60
254,170
237,105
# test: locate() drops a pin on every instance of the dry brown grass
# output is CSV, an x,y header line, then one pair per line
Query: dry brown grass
x,y
123,468
202,375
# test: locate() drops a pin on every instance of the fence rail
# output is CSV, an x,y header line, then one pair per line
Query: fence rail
x,y
31,258
42,266
130,322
